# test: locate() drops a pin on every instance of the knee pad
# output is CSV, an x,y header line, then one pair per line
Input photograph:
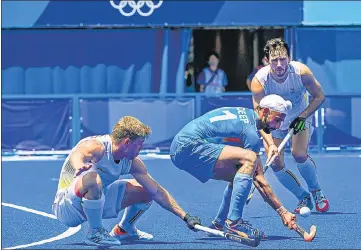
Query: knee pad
x,y
299,158
275,167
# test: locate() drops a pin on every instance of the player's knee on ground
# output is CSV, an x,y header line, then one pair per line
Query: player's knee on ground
x,y
92,186
248,163
300,157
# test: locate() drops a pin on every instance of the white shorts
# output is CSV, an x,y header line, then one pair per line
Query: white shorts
x,y
68,207
281,134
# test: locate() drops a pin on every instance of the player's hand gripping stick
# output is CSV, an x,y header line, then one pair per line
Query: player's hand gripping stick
x,y
280,148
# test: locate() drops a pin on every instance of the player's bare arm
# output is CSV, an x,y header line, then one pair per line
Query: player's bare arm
x,y
88,151
264,188
268,195
314,88
159,194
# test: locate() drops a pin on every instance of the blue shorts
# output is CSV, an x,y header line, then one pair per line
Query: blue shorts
x,y
195,156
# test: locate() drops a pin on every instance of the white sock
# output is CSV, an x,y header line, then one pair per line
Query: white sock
x,y
132,214
289,181
309,173
93,210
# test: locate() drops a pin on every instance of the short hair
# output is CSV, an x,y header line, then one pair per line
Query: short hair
x,y
213,53
130,127
276,45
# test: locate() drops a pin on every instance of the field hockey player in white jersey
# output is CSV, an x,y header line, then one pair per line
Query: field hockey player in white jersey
x,y
293,81
91,187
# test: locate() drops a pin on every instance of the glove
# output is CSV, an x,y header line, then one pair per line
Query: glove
x,y
192,221
298,124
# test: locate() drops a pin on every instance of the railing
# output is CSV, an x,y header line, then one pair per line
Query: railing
x,y
336,123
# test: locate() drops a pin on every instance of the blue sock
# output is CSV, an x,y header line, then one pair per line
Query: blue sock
x,y
224,208
241,187
309,173
289,181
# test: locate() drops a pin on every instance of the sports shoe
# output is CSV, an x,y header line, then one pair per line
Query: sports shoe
x,y
321,202
216,226
305,202
244,229
130,235
101,237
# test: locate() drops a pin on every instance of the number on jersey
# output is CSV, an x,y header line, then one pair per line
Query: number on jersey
x,y
230,116
227,116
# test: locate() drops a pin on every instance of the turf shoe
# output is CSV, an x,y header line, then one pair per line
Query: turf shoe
x,y
304,202
321,202
243,229
131,235
101,237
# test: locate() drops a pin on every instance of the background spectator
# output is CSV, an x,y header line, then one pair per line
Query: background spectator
x,y
250,77
212,79
189,78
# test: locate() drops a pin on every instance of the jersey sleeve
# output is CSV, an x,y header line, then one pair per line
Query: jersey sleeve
x,y
251,139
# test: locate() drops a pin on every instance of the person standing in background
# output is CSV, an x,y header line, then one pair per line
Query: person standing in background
x,y
250,76
212,79
189,79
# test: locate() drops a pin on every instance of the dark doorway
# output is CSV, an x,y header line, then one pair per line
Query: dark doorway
x,y
237,51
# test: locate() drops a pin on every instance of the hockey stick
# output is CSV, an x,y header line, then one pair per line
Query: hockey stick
x,y
229,236
308,237
280,147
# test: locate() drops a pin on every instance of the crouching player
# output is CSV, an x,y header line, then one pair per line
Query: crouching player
x,y
90,188
193,150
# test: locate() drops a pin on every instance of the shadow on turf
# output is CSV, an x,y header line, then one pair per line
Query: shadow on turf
x,y
271,237
276,237
260,217
128,243
329,213
212,238
313,213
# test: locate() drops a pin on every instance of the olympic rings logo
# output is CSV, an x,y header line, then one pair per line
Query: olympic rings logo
x,y
136,7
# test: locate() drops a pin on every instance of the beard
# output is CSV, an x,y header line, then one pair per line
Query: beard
x,y
264,127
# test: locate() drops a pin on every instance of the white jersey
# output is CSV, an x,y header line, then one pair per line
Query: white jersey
x,y
107,169
292,89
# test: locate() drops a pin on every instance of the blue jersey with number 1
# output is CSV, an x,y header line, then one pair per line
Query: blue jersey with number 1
x,y
224,125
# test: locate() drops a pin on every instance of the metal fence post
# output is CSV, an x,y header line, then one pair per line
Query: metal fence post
x,y
320,130
198,105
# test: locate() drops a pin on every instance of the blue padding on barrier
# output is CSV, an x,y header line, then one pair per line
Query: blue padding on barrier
x,y
164,116
212,102
13,80
143,79
72,80
94,117
118,79
36,124
93,80
38,81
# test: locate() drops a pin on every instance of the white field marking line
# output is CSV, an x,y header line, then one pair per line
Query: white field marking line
x,y
67,233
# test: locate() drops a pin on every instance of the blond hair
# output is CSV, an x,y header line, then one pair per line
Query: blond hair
x,y
129,127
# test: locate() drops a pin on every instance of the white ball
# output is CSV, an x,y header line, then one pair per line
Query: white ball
x,y
305,212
